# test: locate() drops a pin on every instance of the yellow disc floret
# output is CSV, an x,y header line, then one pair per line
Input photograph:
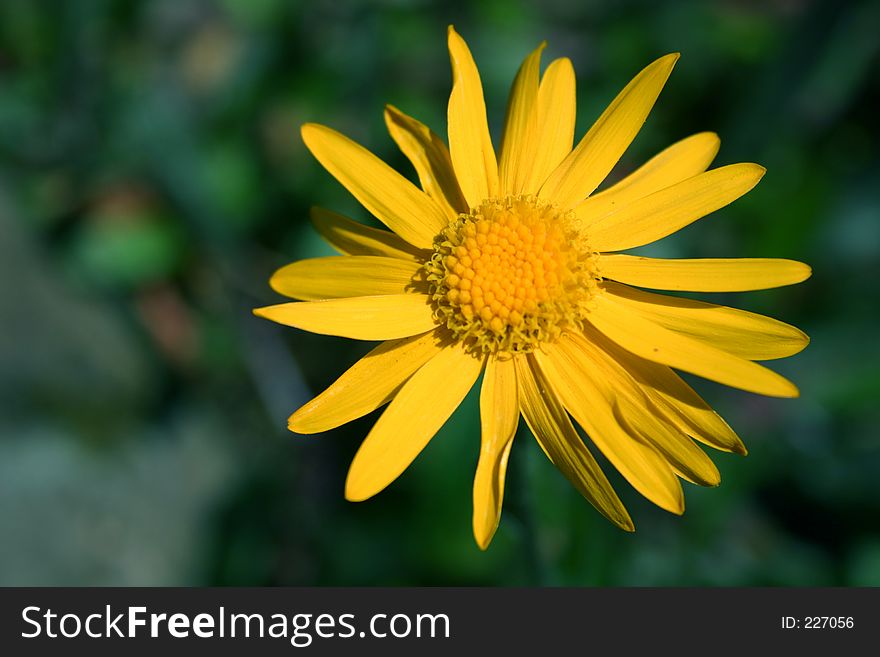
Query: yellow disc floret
x,y
510,275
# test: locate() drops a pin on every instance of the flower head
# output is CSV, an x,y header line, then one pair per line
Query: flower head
x,y
511,268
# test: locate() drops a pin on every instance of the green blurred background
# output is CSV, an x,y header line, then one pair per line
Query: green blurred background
x,y
152,177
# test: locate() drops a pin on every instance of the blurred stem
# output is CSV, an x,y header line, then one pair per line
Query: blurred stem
x,y
536,568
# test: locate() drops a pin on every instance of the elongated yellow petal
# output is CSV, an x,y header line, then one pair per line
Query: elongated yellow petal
x,y
470,144
738,332
429,157
499,415
353,238
590,162
674,398
519,145
663,213
703,274
597,407
639,414
418,411
344,276
390,197
368,384
555,124
384,317
553,430
678,162
636,333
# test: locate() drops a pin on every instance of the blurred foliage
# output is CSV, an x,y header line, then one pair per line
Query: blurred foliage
x,y
152,177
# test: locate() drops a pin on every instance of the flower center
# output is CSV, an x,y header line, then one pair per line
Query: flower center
x,y
511,275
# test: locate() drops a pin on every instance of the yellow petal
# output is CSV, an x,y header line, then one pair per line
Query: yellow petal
x,y
555,124
499,415
640,415
597,407
368,384
353,238
390,197
678,402
590,162
519,145
662,213
703,274
553,430
678,162
636,333
384,317
470,144
429,157
412,418
738,332
344,276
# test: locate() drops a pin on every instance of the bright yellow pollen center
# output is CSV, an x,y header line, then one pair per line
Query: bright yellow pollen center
x,y
511,275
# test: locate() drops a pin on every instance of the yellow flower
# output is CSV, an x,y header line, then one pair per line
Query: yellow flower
x,y
509,268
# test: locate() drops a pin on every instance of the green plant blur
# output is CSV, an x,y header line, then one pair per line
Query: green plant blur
x,y
152,177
